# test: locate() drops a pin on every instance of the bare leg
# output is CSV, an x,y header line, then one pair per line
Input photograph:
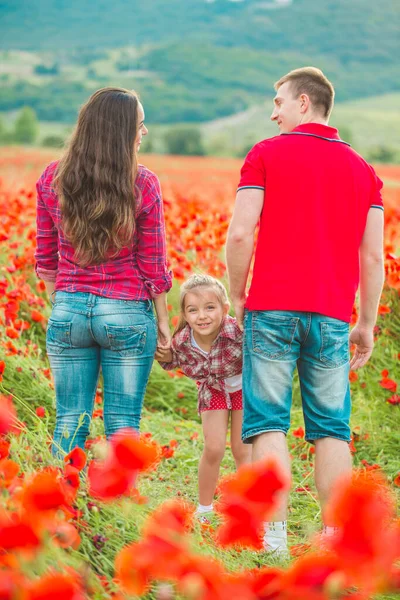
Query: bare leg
x,y
215,427
273,444
241,452
332,462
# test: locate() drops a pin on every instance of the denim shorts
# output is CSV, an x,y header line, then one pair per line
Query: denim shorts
x,y
275,343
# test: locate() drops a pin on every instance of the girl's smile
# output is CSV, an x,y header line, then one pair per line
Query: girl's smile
x,y
204,313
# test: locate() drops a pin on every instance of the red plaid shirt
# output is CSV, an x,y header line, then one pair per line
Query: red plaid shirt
x,y
224,360
139,272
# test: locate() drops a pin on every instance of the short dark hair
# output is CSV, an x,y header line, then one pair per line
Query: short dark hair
x,y
311,81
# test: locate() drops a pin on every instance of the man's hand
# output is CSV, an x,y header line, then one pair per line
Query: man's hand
x,y
363,338
238,306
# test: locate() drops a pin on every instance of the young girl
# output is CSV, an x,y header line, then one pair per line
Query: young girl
x,y
207,346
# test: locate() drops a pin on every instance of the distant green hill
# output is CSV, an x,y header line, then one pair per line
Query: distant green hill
x,y
191,60
368,124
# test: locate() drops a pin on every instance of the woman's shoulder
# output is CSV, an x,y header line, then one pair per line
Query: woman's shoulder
x,y
149,188
145,177
46,178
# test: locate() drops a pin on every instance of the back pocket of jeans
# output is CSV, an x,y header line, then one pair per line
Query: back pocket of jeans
x,y
127,341
58,336
273,334
334,343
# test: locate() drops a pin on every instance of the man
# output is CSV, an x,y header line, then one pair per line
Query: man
x,y
320,212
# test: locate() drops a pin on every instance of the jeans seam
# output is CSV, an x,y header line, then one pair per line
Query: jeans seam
x,y
309,319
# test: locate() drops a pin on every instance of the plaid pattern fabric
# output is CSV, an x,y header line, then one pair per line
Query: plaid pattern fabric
x,y
224,360
139,272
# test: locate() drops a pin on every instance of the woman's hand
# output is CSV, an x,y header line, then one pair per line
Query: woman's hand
x,y
163,335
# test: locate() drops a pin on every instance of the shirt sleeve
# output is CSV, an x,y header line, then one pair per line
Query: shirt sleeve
x,y
151,248
46,254
252,174
376,194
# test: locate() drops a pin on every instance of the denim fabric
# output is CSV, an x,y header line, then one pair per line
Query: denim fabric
x,y
85,333
275,343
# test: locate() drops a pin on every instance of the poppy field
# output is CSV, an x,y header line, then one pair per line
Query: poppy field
x,y
116,521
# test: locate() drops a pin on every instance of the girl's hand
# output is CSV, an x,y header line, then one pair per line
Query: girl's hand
x,y
163,355
163,335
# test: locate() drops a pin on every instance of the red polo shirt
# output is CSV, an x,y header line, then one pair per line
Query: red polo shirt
x,y
318,192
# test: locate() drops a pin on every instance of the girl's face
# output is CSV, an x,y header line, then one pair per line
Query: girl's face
x,y
142,129
204,312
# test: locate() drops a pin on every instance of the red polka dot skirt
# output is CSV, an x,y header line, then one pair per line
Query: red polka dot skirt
x,y
218,401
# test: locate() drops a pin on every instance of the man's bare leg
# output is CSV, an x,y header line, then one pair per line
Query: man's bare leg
x,y
332,462
273,444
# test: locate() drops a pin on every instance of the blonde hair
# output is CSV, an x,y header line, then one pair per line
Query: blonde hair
x,y
311,81
194,282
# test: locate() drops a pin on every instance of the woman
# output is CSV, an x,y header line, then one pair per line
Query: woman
x,y
101,252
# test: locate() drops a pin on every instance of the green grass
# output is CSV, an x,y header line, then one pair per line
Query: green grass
x,y
374,421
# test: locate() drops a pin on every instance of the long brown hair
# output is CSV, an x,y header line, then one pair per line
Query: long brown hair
x,y
95,178
196,281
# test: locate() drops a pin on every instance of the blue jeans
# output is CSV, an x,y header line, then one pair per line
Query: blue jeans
x,y
88,332
275,342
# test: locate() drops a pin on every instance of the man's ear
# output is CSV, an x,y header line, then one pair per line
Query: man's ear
x,y
304,103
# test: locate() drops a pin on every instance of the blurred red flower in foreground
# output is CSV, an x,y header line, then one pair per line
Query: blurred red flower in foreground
x,y
57,585
8,416
368,542
161,552
247,500
128,454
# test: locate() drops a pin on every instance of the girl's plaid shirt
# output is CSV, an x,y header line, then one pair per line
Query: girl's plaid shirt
x,y
139,272
224,360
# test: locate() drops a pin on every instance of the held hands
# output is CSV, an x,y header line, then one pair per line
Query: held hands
x,y
238,306
163,335
163,352
363,338
163,355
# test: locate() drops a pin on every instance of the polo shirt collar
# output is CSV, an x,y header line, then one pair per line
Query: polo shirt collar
x,y
325,131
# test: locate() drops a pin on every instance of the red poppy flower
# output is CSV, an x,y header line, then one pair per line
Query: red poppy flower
x,y
132,452
71,476
40,411
57,585
388,384
299,433
394,400
8,472
246,501
107,480
37,316
8,417
4,448
76,458
44,492
65,535
17,532
360,508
